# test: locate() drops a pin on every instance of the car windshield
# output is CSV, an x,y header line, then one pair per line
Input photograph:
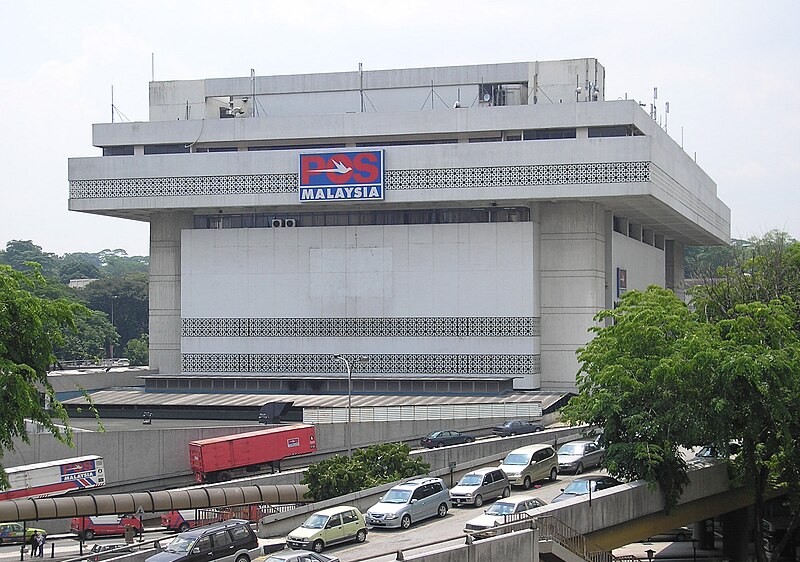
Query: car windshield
x,y
517,459
396,496
501,508
180,544
577,487
316,521
570,449
471,480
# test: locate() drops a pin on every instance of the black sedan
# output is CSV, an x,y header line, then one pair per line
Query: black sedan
x,y
443,438
517,427
580,487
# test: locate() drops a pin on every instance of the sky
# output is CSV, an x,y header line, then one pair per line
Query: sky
x,y
730,71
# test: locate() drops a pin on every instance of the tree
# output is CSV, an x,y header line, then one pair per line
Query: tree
x,y
661,375
138,351
91,338
368,467
30,326
78,266
635,383
124,298
19,252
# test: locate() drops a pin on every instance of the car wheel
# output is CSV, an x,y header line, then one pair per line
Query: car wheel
x,y
442,511
361,535
553,474
440,444
88,535
578,469
681,537
405,522
478,500
243,558
506,491
527,483
318,546
183,527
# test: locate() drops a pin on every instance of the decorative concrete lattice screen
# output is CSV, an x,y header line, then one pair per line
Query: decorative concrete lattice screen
x,y
441,178
528,410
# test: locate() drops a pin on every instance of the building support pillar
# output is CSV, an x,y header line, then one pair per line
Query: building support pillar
x,y
673,270
735,535
165,289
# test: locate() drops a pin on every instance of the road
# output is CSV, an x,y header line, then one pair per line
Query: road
x,y
383,544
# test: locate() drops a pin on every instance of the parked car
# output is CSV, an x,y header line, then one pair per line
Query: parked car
x,y
412,501
479,485
87,527
580,487
227,541
329,526
517,427
496,515
713,452
503,510
679,534
526,465
16,533
300,556
444,438
579,455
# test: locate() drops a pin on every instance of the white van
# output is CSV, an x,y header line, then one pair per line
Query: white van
x,y
526,465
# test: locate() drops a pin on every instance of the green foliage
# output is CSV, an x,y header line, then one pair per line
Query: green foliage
x,y
138,351
637,384
91,338
30,327
368,467
19,252
124,298
659,375
79,266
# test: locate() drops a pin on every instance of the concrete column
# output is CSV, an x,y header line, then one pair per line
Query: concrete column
x,y
165,289
735,535
573,278
610,278
703,534
673,256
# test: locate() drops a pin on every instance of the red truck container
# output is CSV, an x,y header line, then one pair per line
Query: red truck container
x,y
221,458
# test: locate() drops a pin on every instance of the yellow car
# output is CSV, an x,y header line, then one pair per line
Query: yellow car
x,y
12,532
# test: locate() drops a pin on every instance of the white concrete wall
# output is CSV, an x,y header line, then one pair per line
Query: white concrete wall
x,y
442,270
644,264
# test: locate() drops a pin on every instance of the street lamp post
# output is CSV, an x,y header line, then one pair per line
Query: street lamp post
x,y
111,345
349,428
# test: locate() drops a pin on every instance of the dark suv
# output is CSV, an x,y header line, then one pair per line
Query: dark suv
x,y
228,541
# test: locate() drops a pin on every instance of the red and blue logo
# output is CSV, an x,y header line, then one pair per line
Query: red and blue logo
x,y
341,176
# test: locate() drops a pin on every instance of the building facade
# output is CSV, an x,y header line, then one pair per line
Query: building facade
x,y
445,224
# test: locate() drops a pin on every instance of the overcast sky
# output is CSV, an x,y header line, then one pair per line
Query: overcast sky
x,y
729,69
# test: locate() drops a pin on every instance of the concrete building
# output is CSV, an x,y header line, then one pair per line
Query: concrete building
x,y
457,224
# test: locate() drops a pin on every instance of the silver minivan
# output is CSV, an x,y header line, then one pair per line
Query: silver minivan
x,y
526,465
479,485
409,502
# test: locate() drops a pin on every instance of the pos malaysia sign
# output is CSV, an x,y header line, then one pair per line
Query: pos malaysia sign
x,y
341,176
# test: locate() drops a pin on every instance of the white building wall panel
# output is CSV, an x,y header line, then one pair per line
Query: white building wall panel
x,y
370,272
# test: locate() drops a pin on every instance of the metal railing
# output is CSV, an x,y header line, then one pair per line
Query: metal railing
x,y
551,529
